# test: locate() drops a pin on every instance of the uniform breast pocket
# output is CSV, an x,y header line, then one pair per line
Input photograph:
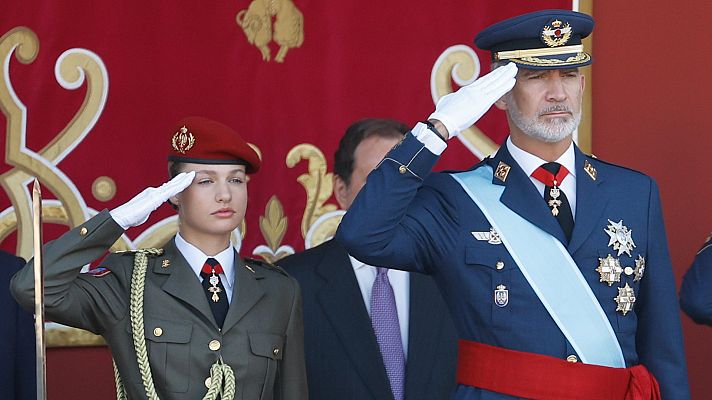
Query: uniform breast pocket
x,y
267,350
168,346
494,271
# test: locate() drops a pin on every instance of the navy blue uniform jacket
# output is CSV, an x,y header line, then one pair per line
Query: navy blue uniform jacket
x,y
695,292
17,338
405,217
342,355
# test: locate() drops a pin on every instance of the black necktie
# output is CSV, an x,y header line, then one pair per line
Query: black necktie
x,y
555,197
214,289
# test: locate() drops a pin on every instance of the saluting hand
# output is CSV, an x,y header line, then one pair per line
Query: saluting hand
x,y
136,211
459,110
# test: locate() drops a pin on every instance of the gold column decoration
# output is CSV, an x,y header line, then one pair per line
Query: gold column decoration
x,y
72,68
273,226
317,183
460,64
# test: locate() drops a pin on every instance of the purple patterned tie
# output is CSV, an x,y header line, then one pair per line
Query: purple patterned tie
x,y
384,318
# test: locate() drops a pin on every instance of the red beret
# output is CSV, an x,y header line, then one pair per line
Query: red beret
x,y
203,141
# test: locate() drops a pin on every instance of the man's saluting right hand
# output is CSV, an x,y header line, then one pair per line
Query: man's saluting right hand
x,y
459,110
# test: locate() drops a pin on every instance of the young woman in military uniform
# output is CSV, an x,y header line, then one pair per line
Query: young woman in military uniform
x,y
193,319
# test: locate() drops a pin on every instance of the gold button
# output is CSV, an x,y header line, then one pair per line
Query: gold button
x,y
214,345
208,381
572,358
275,351
402,169
157,331
83,231
500,264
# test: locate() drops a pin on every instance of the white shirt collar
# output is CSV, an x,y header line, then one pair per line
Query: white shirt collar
x,y
196,259
529,162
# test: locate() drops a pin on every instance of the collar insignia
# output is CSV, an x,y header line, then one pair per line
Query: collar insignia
x,y
502,171
590,169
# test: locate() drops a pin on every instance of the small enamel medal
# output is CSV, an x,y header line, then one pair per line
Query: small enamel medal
x,y
621,238
501,296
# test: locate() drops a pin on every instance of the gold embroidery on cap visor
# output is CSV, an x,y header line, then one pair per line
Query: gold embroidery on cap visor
x,y
579,58
183,140
509,54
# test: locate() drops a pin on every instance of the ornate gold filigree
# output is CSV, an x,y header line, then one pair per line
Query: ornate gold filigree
x,y
317,183
273,226
256,22
460,64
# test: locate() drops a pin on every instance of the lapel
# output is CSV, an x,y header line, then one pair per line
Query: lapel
x,y
247,292
342,302
182,283
521,196
590,202
423,331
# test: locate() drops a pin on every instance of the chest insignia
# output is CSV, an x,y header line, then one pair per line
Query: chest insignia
x,y
625,299
492,237
501,296
621,238
609,269
639,268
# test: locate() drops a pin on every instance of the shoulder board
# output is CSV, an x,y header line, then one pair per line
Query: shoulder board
x,y
251,263
98,272
595,159
151,251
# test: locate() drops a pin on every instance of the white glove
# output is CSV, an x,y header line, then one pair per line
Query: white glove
x,y
136,211
459,110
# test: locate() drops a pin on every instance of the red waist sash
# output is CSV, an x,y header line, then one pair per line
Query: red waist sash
x,y
535,376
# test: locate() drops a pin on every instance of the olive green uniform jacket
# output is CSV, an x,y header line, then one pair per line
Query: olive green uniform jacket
x,y
261,339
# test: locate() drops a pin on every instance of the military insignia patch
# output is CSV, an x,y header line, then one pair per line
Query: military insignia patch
x,y
639,268
609,269
183,140
625,299
501,296
557,33
621,238
98,272
165,263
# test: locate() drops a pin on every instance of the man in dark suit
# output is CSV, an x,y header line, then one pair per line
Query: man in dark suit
x,y
17,338
695,293
555,264
342,344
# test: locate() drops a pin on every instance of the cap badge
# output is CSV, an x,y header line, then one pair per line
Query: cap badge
x,y
556,34
183,140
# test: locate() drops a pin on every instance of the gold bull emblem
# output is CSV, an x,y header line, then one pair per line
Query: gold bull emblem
x,y
287,32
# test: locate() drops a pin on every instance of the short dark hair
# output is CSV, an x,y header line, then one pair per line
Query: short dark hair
x,y
358,132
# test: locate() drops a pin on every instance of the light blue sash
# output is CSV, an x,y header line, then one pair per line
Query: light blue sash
x,y
550,271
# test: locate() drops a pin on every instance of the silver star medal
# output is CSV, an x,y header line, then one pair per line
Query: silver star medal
x,y
610,270
621,238
625,299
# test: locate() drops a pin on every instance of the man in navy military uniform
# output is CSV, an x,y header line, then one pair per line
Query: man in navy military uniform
x,y
695,293
347,357
554,264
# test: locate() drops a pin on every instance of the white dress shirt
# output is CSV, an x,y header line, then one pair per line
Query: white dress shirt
x,y
529,163
400,282
196,259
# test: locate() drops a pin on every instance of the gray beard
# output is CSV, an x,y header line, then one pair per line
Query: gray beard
x,y
553,131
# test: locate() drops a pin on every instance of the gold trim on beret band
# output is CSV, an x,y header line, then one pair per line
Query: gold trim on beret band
x,y
546,51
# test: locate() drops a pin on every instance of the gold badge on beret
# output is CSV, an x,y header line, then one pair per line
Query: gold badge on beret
x,y
183,140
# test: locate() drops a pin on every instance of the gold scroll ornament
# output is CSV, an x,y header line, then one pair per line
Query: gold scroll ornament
x,y
287,30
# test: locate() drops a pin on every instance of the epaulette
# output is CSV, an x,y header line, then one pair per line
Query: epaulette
x,y
251,262
151,251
